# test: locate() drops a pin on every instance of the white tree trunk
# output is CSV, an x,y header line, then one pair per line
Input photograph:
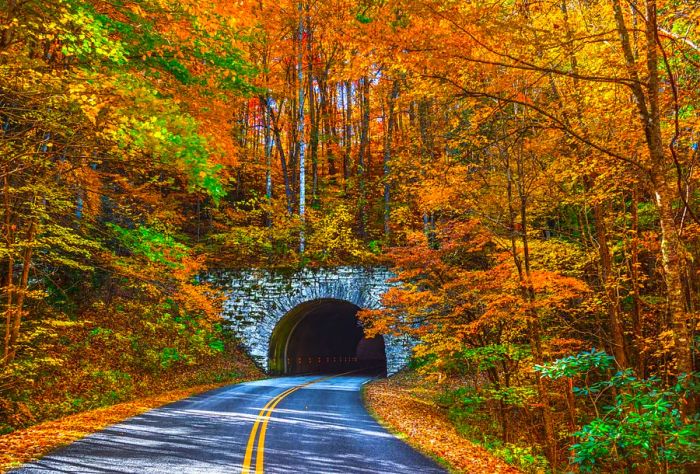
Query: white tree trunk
x,y
300,128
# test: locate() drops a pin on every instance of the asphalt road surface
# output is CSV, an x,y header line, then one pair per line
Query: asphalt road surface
x,y
304,424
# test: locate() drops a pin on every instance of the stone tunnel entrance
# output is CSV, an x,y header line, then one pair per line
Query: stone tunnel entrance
x,y
263,308
324,336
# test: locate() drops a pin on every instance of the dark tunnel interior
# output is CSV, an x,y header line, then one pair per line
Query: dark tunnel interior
x,y
324,337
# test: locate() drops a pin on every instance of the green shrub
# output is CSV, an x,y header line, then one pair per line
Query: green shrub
x,y
467,410
522,457
641,421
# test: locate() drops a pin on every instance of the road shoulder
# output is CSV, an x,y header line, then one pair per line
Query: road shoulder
x,y
397,404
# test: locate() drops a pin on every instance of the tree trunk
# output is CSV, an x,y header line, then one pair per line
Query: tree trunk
x,y
673,264
283,160
650,120
9,278
313,114
388,142
671,247
301,139
528,293
637,324
21,293
347,140
268,148
325,101
608,282
363,160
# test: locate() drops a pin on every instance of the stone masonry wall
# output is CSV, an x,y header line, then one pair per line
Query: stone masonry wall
x,y
258,299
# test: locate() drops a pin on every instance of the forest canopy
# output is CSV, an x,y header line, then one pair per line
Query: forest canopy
x,y
527,169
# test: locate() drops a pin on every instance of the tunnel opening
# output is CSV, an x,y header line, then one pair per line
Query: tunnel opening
x,y
324,337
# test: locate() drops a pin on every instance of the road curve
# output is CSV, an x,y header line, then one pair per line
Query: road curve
x,y
308,424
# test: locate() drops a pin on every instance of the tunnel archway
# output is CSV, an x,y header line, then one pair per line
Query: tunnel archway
x,y
324,336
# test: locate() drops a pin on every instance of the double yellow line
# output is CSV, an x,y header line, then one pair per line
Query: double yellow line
x,y
261,424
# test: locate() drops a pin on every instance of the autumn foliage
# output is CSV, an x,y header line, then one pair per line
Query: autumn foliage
x,y
103,155
528,169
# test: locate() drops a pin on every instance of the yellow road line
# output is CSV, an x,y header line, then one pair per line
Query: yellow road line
x,y
259,460
261,422
251,439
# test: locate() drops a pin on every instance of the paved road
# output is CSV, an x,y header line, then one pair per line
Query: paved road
x,y
305,424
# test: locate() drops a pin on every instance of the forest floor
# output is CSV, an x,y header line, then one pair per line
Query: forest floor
x,y
406,408
21,446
